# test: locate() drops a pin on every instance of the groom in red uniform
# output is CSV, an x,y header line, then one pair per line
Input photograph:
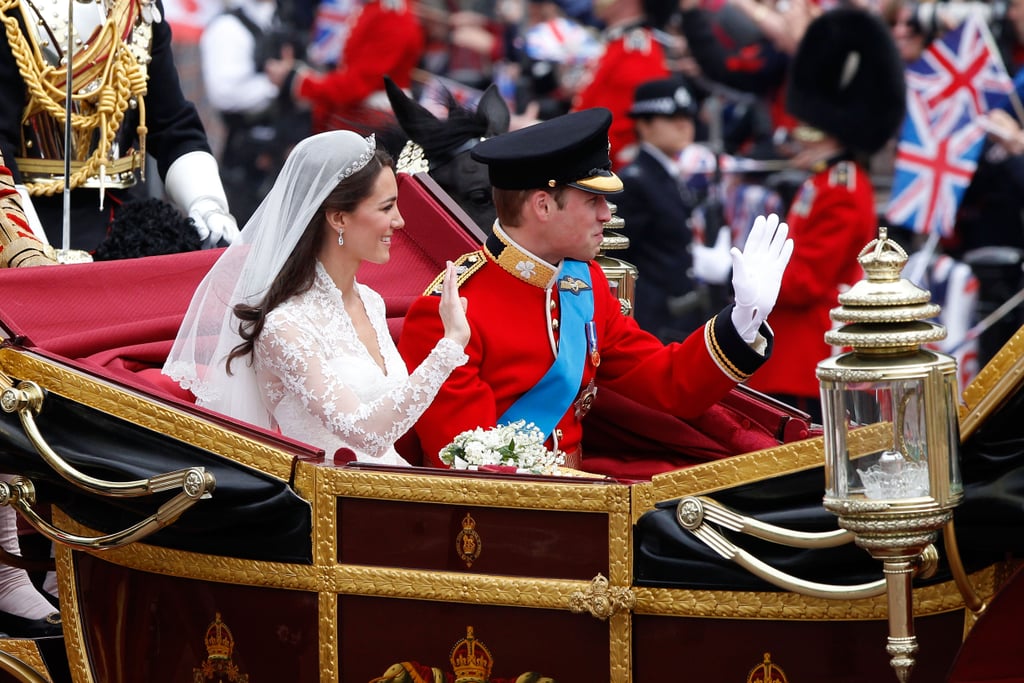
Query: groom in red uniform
x,y
547,332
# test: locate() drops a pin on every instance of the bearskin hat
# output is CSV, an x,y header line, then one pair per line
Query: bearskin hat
x,y
846,79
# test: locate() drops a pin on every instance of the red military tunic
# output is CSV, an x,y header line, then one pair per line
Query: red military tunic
x,y
632,56
386,39
514,317
831,220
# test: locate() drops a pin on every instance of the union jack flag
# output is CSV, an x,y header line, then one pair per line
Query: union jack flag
x,y
935,161
958,78
331,27
962,69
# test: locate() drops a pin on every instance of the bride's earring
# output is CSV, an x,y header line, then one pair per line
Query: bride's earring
x,y
341,237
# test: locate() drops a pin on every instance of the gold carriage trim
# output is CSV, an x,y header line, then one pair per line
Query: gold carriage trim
x,y
146,413
22,659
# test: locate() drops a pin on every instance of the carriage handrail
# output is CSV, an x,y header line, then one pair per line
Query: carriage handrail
x,y
769,532
20,493
27,399
692,511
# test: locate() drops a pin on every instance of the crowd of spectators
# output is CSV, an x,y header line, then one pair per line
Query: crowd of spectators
x,y
548,57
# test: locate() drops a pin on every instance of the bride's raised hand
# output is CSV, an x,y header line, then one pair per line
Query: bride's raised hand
x,y
453,308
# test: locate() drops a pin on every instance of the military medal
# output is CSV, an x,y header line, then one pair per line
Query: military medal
x,y
595,355
585,401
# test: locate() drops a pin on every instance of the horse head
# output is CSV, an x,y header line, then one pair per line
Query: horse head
x,y
446,143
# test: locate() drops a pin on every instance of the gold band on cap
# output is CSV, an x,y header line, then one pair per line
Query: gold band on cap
x,y
600,183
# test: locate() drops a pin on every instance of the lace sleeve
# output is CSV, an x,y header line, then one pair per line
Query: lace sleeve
x,y
292,352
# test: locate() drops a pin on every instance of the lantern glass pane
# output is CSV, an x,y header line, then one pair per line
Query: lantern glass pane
x,y
952,420
897,469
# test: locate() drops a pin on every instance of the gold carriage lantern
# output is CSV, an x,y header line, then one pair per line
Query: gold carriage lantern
x,y
621,274
894,499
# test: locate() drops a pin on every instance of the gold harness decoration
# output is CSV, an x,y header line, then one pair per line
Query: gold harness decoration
x,y
109,76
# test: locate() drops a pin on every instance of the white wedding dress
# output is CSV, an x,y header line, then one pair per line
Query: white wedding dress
x,y
322,386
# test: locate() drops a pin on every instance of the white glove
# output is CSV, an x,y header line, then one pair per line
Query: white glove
x,y
193,184
757,274
712,264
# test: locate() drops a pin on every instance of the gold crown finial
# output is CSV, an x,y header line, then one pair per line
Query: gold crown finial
x,y
471,660
884,313
219,641
883,259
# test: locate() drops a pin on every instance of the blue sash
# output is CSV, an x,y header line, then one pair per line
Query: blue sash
x,y
548,400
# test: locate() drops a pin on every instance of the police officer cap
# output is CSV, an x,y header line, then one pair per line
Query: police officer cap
x,y
567,150
663,97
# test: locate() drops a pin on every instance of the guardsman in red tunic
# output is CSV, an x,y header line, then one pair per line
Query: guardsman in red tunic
x,y
547,333
847,91
385,39
633,55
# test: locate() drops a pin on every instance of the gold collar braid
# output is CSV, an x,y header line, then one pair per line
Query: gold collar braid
x,y
106,60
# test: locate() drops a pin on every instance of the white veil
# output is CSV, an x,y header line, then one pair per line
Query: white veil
x,y
245,271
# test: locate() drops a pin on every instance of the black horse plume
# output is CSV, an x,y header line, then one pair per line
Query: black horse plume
x,y
443,139
446,143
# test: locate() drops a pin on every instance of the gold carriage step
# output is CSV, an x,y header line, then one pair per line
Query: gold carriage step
x,y
120,173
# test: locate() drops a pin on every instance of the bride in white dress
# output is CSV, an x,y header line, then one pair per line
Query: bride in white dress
x,y
280,334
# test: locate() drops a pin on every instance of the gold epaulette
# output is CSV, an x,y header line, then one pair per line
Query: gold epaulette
x,y
465,266
843,174
637,40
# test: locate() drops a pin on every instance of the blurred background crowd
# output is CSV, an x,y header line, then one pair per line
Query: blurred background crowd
x,y
264,73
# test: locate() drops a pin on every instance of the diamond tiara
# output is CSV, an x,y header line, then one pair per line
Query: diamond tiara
x,y
361,160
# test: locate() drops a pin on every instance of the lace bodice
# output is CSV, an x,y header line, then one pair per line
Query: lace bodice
x,y
322,386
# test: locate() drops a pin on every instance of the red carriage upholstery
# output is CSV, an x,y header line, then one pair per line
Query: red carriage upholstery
x,y
117,318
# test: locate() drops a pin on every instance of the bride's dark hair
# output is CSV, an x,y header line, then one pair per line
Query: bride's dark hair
x,y
299,270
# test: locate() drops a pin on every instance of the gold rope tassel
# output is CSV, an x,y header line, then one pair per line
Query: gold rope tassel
x,y
108,60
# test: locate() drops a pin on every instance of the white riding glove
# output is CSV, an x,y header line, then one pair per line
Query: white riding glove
x,y
193,184
757,274
712,264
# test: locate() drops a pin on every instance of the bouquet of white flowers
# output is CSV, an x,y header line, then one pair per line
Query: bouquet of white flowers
x,y
519,444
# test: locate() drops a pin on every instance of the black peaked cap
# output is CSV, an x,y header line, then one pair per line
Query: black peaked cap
x,y
567,150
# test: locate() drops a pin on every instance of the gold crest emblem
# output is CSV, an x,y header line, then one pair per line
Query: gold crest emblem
x,y
767,672
468,543
471,662
219,667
